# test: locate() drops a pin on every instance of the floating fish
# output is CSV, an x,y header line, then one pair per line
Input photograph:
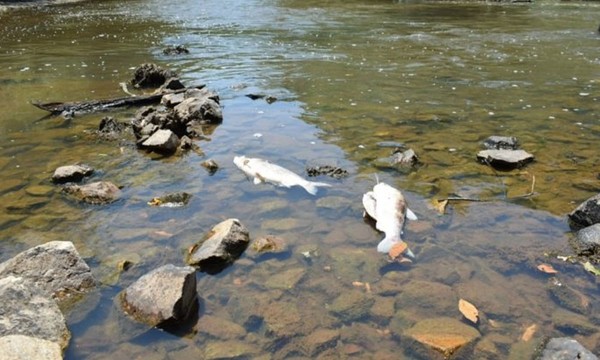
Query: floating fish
x,y
386,205
264,171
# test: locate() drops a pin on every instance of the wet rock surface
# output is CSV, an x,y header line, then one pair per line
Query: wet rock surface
x,y
587,241
71,173
96,193
505,159
333,171
162,141
175,50
16,347
501,143
150,76
28,310
586,214
406,158
221,247
176,199
54,267
444,335
164,297
566,348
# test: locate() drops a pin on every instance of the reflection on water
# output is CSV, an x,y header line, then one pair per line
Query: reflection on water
x,y
349,78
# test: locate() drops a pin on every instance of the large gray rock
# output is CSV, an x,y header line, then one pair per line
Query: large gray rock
x,y
162,141
164,296
566,349
200,106
21,347
55,267
97,193
505,159
71,173
221,247
587,241
28,310
586,214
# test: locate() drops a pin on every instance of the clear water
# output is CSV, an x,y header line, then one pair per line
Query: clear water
x,y
437,77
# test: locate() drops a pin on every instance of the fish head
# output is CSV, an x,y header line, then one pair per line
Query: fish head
x,y
239,161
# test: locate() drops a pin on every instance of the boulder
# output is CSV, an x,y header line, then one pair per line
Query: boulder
x,y
175,50
220,248
18,347
587,241
164,297
55,267
28,310
505,159
566,348
200,106
162,141
444,335
150,75
97,193
501,143
71,173
586,214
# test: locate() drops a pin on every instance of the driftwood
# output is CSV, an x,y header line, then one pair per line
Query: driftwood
x,y
56,108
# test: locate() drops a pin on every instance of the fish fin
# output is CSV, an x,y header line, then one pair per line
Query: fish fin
x,y
369,203
313,187
409,253
386,244
411,215
258,179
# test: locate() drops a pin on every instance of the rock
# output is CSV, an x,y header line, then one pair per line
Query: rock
x,y
352,305
320,340
97,193
55,267
564,349
219,350
162,141
150,75
175,50
404,158
20,347
71,173
571,323
28,310
211,166
587,241
269,244
501,143
165,296
445,335
172,83
586,214
566,297
221,247
285,280
220,328
171,100
333,171
505,159
176,199
268,98
200,106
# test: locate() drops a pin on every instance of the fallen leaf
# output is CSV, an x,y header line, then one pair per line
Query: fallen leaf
x,y
358,284
440,205
591,268
162,233
368,287
546,268
398,249
468,310
529,332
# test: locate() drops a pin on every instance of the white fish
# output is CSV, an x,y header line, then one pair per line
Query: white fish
x,y
264,171
386,205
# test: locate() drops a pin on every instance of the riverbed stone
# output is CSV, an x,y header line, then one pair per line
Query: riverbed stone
x,y
566,348
505,159
570,322
444,335
231,349
164,296
567,297
406,158
352,305
219,328
28,310
320,340
71,173
96,193
586,214
162,141
200,106
501,143
287,279
150,75
21,347
223,244
587,241
55,267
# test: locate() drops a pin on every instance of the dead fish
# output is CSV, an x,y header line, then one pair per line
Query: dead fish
x,y
386,205
264,171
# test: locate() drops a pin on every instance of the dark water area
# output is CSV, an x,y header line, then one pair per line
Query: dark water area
x,y
350,77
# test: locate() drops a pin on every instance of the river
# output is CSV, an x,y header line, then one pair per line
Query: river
x,y
350,78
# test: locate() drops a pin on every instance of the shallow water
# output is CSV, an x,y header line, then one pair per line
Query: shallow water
x,y
349,76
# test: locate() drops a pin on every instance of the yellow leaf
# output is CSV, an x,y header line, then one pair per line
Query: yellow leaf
x,y
468,310
529,332
548,269
440,205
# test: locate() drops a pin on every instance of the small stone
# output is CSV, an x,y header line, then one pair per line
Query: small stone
x,y
269,244
566,348
211,166
443,334
175,50
501,143
71,173
352,305
97,193
505,159
162,141
320,340
176,199
404,158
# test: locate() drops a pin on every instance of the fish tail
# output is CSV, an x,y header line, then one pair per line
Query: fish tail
x,y
313,187
386,244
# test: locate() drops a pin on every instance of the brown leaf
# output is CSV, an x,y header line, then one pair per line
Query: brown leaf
x,y
358,284
548,269
529,332
468,310
398,249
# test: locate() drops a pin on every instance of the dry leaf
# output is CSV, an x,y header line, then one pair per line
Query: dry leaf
x,y
162,233
440,205
468,310
398,249
548,269
529,332
358,284
368,287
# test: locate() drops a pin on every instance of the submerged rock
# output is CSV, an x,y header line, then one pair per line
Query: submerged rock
x,y
269,244
220,248
586,214
352,305
404,158
501,143
333,171
587,241
319,341
97,193
28,310
566,297
443,334
164,296
177,199
211,166
15,347
71,173
54,267
150,75
505,159
175,50
566,348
